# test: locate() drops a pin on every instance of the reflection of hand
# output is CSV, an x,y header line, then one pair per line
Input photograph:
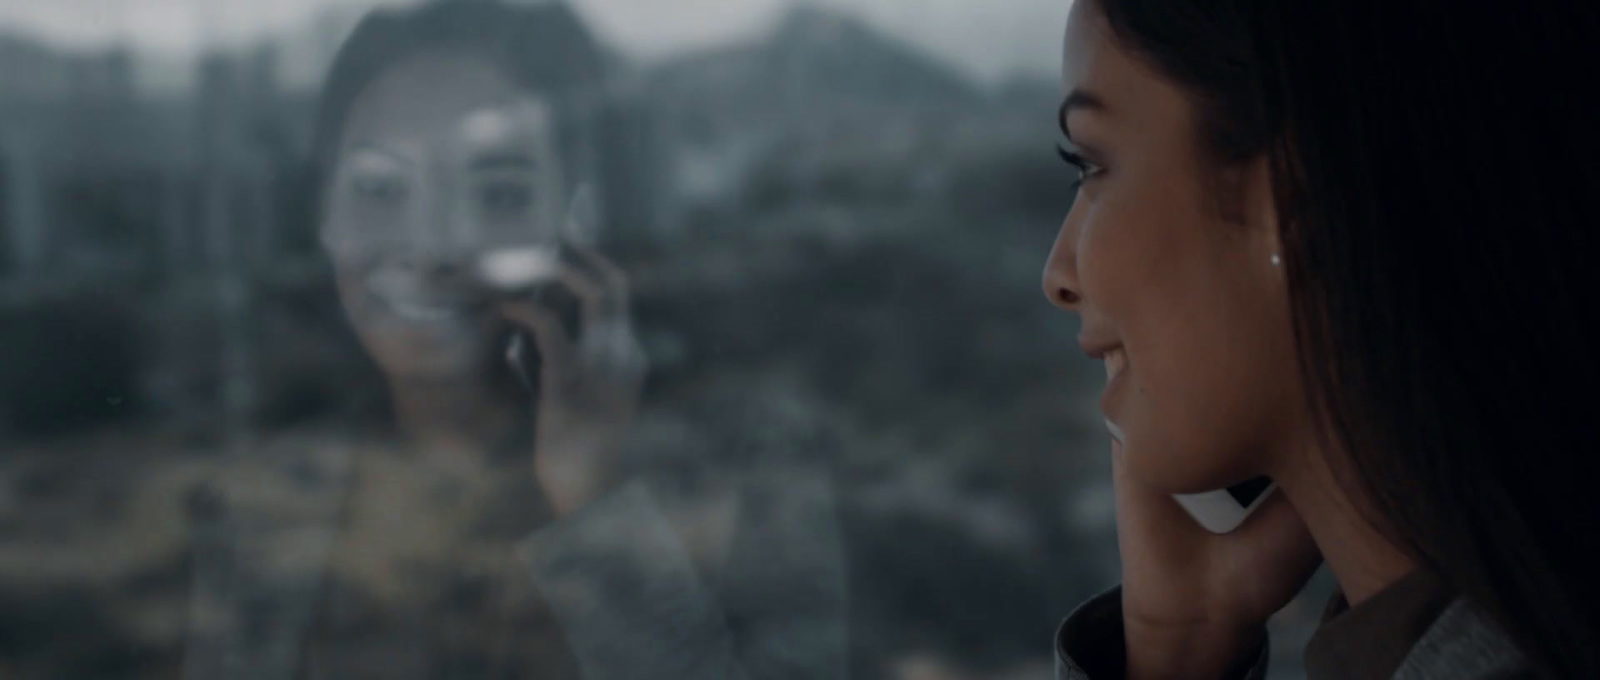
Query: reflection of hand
x,y
588,389
1195,602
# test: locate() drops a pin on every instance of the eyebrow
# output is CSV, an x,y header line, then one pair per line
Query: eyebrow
x,y
503,161
374,149
1077,99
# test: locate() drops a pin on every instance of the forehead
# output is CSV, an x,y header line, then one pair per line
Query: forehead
x,y
1094,60
1087,49
429,95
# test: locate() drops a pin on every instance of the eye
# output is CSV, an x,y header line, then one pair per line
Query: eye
x,y
380,189
1084,169
376,178
505,198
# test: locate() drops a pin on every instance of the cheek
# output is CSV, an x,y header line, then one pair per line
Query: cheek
x,y
402,348
1206,401
1133,248
1203,388
351,298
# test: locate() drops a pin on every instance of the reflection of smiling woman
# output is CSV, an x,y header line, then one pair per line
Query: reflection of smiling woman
x,y
448,144
456,165
451,157
1348,246
445,168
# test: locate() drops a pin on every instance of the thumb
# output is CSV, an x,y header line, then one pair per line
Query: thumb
x,y
1152,528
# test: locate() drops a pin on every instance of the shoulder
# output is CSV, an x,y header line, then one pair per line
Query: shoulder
x,y
297,475
1089,644
1463,643
272,506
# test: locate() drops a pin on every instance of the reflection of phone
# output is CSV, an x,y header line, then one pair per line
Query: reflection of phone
x,y
528,271
1221,512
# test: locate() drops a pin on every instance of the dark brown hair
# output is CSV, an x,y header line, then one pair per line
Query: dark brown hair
x,y
1434,164
544,48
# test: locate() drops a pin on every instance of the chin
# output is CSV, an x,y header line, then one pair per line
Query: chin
x,y
435,372
1177,468
427,361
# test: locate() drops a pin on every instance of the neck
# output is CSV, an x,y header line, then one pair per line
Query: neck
x,y
1361,559
449,415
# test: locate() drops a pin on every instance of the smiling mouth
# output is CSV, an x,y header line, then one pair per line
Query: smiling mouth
x,y
1115,361
413,303
1116,432
420,312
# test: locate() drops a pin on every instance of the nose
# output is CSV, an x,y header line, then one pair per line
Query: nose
x,y
426,213
1061,270
441,228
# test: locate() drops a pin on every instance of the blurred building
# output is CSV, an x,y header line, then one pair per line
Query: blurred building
x,y
55,110
822,91
100,179
152,207
193,206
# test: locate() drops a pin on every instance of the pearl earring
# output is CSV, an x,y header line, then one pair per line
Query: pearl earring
x,y
1277,261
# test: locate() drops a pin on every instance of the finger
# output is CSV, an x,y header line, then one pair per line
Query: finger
x,y
594,303
611,275
549,334
613,350
582,216
1151,525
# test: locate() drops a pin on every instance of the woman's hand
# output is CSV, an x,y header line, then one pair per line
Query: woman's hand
x,y
1195,602
588,388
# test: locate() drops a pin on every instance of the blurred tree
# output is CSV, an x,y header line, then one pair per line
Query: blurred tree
x,y
72,363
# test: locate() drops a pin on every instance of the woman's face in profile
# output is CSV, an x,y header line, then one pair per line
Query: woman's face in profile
x,y
442,158
1167,256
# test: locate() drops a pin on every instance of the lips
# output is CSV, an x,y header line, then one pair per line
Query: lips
x,y
421,313
1116,432
410,297
1115,360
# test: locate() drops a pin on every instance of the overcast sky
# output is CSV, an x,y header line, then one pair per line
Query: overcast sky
x,y
987,38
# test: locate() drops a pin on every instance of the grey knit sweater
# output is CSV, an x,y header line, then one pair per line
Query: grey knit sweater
x,y
1413,630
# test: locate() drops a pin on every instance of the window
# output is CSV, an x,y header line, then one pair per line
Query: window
x,y
538,340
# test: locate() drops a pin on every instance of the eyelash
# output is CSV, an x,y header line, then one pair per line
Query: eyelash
x,y
1086,169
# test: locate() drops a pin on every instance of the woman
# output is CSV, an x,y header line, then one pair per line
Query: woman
x,y
458,163
1346,246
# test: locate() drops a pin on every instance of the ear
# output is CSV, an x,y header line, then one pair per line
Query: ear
x,y
1258,211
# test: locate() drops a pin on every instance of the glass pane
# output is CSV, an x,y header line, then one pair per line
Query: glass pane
x,y
611,338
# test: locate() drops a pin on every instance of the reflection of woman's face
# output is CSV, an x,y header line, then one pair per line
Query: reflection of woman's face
x,y
441,158
1176,291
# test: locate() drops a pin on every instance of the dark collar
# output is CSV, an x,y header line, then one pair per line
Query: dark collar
x,y
1372,639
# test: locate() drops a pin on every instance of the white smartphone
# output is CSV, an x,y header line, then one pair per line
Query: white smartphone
x,y
1222,511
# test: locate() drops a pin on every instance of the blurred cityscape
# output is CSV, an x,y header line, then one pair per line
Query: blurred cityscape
x,y
824,217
